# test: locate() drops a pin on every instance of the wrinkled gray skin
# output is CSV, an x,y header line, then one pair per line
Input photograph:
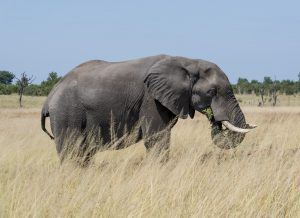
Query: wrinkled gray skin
x,y
144,96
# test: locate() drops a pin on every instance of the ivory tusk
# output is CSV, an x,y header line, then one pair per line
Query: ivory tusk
x,y
251,126
234,128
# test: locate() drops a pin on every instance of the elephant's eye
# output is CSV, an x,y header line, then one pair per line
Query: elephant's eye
x,y
212,92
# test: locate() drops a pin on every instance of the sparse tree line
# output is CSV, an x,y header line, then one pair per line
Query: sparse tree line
x,y
23,85
268,87
288,87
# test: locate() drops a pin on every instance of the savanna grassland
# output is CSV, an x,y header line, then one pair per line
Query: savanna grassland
x,y
260,178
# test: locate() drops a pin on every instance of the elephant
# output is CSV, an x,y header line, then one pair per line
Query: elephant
x,y
115,104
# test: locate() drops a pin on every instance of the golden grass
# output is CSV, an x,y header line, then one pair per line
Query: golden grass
x,y
259,178
12,101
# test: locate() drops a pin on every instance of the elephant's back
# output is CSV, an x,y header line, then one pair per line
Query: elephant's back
x,y
98,73
92,63
103,80
85,68
106,68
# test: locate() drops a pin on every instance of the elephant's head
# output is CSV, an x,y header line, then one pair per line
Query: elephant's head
x,y
184,85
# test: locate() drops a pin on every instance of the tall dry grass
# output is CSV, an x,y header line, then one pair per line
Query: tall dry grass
x,y
259,178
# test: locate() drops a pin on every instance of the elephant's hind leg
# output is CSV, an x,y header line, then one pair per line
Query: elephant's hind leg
x,y
69,132
69,144
159,144
96,136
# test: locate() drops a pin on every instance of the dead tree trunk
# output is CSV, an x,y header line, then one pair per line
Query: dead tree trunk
x,y
22,83
274,96
274,92
262,93
20,97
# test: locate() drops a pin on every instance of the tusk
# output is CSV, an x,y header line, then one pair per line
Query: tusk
x,y
251,126
234,128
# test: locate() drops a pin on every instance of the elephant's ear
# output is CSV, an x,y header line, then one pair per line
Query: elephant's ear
x,y
169,83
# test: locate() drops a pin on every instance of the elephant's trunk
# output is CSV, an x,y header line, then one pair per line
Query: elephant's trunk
x,y
225,138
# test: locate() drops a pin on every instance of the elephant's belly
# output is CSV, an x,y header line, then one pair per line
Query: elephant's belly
x,y
115,128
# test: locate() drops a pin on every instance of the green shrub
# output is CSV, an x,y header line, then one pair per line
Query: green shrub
x,y
8,89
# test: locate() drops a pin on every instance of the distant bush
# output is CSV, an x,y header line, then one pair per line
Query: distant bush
x,y
8,89
6,77
34,90
46,86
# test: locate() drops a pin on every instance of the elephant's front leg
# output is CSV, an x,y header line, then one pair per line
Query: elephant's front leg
x,y
157,122
159,144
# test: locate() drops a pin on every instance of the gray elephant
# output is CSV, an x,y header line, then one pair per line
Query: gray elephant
x,y
103,104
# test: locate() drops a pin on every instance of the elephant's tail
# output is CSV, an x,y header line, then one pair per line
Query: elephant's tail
x,y
44,114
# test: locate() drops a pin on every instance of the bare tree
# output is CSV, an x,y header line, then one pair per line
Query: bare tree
x,y
23,81
274,92
262,94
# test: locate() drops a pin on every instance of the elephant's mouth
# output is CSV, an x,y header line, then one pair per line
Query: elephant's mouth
x,y
230,136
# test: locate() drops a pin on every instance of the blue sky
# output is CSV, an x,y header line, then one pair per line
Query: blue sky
x,y
246,39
